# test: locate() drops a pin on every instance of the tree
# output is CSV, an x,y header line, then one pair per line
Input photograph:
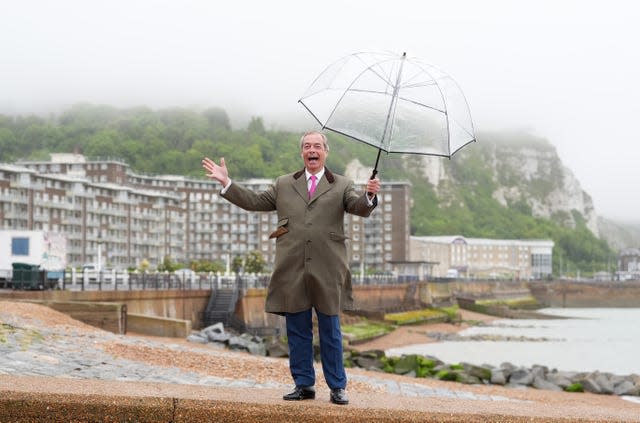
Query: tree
x,y
217,117
206,266
254,262
144,265
168,265
237,264
256,126
7,145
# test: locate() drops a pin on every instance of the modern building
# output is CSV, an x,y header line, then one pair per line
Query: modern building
x,y
102,206
476,258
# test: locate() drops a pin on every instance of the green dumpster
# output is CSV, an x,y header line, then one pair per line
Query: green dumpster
x,y
27,276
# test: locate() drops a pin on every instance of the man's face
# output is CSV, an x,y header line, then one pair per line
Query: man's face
x,y
313,153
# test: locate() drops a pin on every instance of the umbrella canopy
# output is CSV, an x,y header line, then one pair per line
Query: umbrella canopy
x,y
396,103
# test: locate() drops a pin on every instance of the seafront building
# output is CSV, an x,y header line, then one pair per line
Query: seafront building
x,y
104,208
477,258
114,216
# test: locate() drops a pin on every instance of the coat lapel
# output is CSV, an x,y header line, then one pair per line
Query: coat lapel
x,y
322,188
300,184
325,184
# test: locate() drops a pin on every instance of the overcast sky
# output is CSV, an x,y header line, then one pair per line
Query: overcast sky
x,y
568,71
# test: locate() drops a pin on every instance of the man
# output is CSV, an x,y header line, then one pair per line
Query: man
x,y
311,269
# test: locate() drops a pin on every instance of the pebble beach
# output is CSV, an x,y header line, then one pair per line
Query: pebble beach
x,y
46,352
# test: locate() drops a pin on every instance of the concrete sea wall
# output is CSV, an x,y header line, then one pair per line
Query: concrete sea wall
x,y
109,309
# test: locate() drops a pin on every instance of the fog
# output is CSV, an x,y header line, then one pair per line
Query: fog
x,y
567,71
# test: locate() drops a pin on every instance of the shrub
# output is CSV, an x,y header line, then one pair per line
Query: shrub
x,y
574,387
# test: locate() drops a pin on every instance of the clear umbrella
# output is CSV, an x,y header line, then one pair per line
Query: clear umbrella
x,y
396,103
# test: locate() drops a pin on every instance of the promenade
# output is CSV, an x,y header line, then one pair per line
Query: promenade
x,y
53,368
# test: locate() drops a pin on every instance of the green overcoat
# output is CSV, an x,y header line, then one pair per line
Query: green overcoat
x,y
311,268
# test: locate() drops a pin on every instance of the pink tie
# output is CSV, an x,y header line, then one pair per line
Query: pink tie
x,y
312,189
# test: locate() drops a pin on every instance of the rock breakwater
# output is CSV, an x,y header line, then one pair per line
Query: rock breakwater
x,y
424,366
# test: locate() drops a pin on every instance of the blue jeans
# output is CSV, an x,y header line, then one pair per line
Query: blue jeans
x,y
300,338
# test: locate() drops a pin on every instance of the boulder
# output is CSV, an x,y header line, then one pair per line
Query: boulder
x,y
257,348
216,327
507,368
604,382
406,364
464,377
590,385
542,383
238,343
560,379
539,371
478,372
521,376
216,333
624,388
371,353
221,338
277,348
635,391
197,338
368,362
249,343
498,377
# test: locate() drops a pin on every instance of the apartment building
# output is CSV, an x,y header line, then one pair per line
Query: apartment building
x,y
134,216
478,258
121,222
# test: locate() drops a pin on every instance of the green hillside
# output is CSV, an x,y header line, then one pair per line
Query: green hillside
x,y
173,141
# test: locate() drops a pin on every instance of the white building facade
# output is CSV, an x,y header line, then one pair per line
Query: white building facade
x,y
479,258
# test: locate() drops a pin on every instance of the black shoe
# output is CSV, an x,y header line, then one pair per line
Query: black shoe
x,y
339,396
301,393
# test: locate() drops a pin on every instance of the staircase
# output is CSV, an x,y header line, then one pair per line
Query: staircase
x,y
221,308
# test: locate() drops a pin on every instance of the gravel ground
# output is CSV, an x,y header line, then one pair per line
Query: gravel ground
x,y
261,381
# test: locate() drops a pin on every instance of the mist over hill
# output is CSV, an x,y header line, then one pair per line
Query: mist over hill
x,y
508,185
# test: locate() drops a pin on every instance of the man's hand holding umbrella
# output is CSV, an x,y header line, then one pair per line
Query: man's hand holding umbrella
x,y
373,187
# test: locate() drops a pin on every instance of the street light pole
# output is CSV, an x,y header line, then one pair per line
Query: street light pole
x,y
99,254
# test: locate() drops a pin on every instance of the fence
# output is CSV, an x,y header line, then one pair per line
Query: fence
x,y
131,281
114,280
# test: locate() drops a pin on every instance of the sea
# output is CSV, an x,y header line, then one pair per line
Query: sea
x,y
585,340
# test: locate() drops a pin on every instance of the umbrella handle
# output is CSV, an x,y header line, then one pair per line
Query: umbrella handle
x,y
375,169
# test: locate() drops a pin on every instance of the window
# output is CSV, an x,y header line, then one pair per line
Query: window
x,y
20,246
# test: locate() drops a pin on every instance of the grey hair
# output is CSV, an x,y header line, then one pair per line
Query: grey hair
x,y
325,141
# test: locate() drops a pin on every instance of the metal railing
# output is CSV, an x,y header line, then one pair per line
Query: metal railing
x,y
114,280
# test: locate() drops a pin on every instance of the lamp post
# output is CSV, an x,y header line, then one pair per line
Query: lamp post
x,y
99,263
